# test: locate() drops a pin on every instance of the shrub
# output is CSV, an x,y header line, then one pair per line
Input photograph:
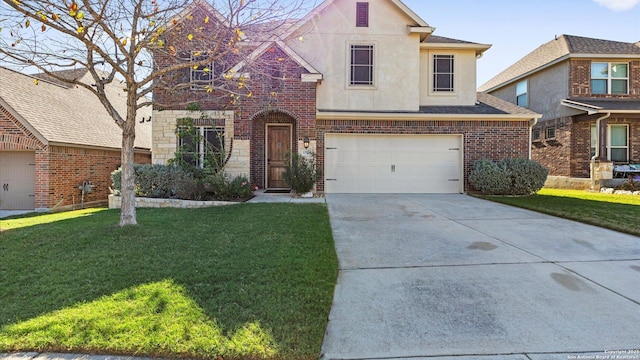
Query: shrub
x,y
631,184
508,177
226,188
301,174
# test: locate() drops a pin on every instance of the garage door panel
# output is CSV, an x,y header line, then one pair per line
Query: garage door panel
x,y
393,163
17,180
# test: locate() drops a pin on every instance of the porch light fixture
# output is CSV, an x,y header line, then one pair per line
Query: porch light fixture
x,y
305,141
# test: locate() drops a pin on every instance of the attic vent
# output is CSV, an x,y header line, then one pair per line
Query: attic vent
x,y
362,14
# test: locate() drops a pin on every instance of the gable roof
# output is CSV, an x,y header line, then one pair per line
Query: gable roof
x,y
68,115
561,48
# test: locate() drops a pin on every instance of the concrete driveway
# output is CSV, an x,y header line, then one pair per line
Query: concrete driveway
x,y
455,277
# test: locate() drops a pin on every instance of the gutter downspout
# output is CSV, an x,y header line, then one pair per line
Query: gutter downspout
x,y
597,154
532,123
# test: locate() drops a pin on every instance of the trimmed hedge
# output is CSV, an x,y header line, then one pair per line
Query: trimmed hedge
x,y
508,177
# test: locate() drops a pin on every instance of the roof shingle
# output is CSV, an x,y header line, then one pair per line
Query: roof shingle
x,y
69,114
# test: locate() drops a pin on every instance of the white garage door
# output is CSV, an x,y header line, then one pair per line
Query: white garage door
x,y
17,180
393,163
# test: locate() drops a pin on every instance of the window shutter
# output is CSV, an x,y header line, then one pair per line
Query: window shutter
x,y
362,14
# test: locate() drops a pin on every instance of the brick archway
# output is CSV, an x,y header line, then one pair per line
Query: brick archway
x,y
258,140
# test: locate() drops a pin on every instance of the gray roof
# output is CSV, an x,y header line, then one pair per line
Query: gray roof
x,y
486,105
434,39
69,114
564,45
606,105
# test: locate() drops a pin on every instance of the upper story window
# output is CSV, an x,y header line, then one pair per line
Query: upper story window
x,y
362,14
443,73
609,78
521,94
361,68
200,76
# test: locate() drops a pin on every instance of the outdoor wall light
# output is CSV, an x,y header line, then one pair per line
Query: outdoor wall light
x,y
305,141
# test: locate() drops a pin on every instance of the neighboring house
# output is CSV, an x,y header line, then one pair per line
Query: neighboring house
x,y
573,82
386,106
55,137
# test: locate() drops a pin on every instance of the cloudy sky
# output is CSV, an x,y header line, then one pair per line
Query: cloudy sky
x,y
516,27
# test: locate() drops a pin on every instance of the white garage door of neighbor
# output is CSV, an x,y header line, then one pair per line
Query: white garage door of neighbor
x,y
393,163
17,180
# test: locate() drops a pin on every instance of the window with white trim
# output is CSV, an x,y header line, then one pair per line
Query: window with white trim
x,y
609,78
535,134
197,142
443,73
618,143
361,69
200,76
550,133
522,98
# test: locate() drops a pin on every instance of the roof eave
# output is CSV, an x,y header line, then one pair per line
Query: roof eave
x,y
24,122
593,109
341,115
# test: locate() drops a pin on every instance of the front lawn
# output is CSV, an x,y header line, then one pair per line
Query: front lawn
x,y
616,212
244,281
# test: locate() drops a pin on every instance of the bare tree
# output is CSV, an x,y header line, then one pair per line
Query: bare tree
x,y
114,40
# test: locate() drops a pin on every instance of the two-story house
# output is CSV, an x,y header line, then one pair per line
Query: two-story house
x,y
588,91
386,105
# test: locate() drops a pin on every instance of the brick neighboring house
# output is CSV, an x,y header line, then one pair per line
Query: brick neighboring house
x,y
54,137
386,105
576,83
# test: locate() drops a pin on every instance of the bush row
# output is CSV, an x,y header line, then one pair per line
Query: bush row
x,y
508,177
172,181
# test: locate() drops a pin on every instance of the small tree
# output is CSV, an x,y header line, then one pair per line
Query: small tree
x,y
301,173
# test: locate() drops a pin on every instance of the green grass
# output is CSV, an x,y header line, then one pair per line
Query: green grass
x,y
616,212
244,281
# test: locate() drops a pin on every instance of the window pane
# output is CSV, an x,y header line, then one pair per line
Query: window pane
x,y
618,135
361,55
619,70
521,88
215,138
598,86
521,100
599,70
619,155
619,87
444,82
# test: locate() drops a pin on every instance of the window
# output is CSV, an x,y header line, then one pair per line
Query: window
x,y
197,143
618,148
362,14
535,134
443,73
609,78
201,76
521,94
361,65
594,141
550,133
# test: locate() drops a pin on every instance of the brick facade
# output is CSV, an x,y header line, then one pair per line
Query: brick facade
x,y
60,170
493,140
569,153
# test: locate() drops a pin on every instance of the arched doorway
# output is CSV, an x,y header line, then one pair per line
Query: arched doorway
x,y
272,144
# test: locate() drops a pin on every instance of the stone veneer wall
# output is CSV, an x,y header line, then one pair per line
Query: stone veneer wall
x,y
165,140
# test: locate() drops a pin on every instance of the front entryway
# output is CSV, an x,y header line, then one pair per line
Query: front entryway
x,y
17,180
278,154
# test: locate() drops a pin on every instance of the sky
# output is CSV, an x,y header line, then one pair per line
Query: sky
x,y
517,27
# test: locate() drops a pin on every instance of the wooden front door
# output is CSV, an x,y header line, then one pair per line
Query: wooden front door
x,y
278,154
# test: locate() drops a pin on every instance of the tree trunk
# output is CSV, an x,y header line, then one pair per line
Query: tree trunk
x,y
128,196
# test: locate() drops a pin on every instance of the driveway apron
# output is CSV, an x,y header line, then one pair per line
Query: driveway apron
x,y
456,277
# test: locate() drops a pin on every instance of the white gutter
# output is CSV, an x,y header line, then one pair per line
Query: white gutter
x,y
597,154
532,123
